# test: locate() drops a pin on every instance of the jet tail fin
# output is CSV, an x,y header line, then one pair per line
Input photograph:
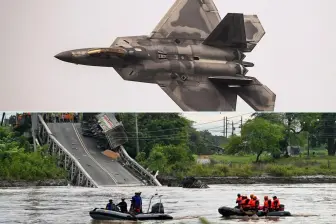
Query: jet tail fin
x,y
257,95
237,30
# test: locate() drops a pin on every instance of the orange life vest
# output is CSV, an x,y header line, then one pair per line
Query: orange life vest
x,y
246,204
252,203
266,204
239,200
275,204
243,202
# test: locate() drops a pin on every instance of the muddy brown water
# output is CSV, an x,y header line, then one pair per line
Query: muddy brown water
x,y
309,203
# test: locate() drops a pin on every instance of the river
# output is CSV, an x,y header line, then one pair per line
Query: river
x,y
310,203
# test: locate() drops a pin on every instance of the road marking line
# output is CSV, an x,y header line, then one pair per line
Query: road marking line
x,y
88,153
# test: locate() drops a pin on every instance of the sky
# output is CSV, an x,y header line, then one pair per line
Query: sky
x,y
211,121
294,59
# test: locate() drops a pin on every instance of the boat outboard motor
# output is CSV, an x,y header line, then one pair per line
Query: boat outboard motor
x,y
157,208
281,207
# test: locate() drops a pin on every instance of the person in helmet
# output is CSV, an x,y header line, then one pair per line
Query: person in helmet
x,y
239,200
252,202
111,206
136,203
256,203
245,205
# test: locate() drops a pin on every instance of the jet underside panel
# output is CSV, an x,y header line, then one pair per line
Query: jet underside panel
x,y
199,96
188,19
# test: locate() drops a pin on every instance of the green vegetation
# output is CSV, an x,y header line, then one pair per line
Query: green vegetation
x,y
169,143
19,162
244,166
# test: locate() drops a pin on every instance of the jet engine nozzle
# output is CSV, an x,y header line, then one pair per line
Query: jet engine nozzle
x,y
248,64
241,69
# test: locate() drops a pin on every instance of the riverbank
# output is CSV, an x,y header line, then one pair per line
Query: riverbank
x,y
175,182
44,183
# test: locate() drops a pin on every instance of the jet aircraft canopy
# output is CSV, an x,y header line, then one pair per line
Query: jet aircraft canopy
x,y
112,51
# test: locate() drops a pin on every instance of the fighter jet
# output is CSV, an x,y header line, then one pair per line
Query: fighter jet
x,y
196,57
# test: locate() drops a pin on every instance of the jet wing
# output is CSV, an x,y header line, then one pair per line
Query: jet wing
x,y
188,19
200,96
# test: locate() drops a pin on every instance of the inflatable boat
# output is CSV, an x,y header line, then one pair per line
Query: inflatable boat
x,y
227,211
157,213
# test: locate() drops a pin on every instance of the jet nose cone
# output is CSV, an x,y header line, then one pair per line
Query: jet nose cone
x,y
64,56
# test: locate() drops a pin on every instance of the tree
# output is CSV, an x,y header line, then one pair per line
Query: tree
x,y
277,118
154,129
235,145
166,129
170,158
262,136
327,131
196,143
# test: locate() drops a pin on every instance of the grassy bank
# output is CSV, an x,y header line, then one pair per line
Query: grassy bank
x,y
244,166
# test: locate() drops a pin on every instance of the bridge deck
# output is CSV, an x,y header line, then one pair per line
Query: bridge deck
x,y
102,169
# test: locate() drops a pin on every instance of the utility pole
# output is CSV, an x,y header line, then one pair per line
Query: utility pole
x,y
226,126
34,121
232,129
308,145
241,122
137,134
3,117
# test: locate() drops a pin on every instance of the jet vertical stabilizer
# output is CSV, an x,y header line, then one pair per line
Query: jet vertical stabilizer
x,y
236,30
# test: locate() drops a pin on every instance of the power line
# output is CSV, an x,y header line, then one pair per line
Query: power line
x,y
200,124
217,129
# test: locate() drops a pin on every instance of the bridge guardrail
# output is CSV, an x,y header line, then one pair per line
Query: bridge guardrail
x,y
110,125
77,173
138,167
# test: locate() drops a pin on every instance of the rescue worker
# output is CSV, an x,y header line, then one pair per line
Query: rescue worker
x,y
251,196
239,200
256,203
267,204
140,202
275,205
123,206
243,202
111,206
245,205
136,204
252,203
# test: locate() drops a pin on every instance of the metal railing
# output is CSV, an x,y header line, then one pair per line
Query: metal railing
x,y
110,126
130,162
76,173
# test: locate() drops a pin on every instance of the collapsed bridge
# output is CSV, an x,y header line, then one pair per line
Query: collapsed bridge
x,y
78,149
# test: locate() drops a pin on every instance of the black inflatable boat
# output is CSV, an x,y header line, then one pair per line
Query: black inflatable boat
x,y
227,211
102,214
157,213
